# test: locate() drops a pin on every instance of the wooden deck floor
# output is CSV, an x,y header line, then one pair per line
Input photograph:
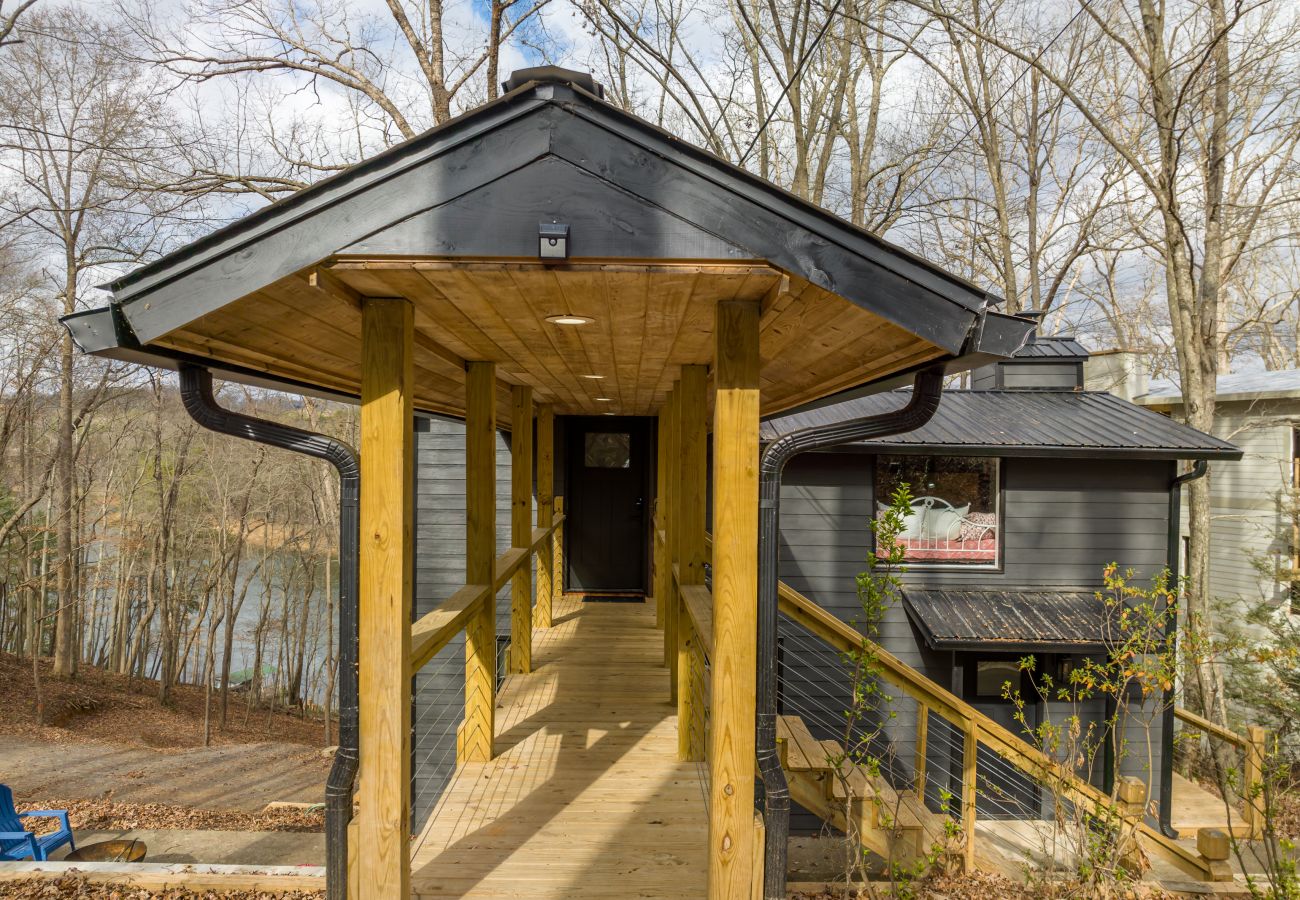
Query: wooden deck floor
x,y
586,797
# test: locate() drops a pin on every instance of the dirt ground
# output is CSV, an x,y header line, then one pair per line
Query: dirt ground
x,y
117,759
110,708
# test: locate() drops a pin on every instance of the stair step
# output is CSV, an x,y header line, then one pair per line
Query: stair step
x,y
802,751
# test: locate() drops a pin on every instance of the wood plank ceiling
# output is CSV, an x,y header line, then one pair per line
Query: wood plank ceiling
x,y
647,321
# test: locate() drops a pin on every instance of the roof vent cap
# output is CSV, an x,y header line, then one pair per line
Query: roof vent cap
x,y
553,75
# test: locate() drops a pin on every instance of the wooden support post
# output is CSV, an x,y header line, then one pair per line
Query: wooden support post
x,y
1252,781
545,513
922,742
521,527
557,555
663,575
688,518
672,484
735,593
970,758
477,729
386,561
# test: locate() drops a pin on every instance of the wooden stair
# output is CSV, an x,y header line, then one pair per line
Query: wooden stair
x,y
897,827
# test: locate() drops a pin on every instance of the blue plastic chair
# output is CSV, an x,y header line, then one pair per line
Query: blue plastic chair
x,y
17,842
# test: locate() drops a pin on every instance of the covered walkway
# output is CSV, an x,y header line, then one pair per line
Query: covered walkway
x,y
586,797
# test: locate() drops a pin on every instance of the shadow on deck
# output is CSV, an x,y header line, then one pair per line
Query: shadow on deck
x,y
586,797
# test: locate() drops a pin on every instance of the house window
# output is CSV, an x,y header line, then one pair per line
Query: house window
x,y
954,515
608,450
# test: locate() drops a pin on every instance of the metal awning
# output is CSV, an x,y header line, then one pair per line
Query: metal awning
x,y
1011,620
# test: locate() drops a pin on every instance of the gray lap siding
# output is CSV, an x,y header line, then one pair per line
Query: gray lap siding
x,y
1062,522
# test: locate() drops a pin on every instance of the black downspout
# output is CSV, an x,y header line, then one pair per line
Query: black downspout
x,y
1174,554
196,395
776,792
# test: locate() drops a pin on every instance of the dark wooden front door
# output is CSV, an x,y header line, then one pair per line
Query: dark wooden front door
x,y
606,530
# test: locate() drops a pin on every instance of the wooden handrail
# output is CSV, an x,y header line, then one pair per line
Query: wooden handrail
x,y
431,632
699,606
994,736
1211,728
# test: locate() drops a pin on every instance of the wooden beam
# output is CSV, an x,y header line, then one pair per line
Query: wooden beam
x,y
521,528
432,631
386,561
735,589
689,512
474,742
542,612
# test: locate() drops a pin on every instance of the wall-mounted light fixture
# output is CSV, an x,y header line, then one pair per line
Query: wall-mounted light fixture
x,y
552,240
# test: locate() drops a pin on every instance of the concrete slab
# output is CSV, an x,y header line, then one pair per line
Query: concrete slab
x,y
244,848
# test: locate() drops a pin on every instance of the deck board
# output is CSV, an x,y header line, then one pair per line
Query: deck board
x,y
586,798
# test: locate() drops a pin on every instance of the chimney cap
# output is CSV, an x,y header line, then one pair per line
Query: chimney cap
x,y
553,75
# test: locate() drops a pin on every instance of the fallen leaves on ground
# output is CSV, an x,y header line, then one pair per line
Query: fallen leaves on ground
x,y
73,888
986,886
105,707
109,815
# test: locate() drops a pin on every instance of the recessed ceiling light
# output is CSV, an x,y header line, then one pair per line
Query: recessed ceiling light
x,y
594,377
605,399
568,319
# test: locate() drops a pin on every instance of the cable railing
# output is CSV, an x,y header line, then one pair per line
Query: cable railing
x,y
1233,763
457,668
987,771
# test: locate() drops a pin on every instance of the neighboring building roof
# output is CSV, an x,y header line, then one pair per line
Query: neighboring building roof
x,y
1052,347
1276,385
1009,620
1024,423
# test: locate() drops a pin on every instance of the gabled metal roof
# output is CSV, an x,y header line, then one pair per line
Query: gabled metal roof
x,y
552,119
1023,423
1011,620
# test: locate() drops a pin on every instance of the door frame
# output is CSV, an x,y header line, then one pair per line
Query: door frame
x,y
572,427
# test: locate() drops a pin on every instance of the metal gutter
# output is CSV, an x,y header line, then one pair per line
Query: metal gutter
x,y
197,397
1173,555
926,392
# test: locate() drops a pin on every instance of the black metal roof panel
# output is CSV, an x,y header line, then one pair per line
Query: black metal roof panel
x,y
1023,423
1010,620
551,120
1052,348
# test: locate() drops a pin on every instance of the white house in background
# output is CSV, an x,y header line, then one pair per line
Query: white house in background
x,y
1252,501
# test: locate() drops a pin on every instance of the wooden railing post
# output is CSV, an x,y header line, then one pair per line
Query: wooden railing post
x,y
1252,781
690,529
557,555
521,527
663,575
922,741
673,484
542,612
386,561
735,590
969,769
474,743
